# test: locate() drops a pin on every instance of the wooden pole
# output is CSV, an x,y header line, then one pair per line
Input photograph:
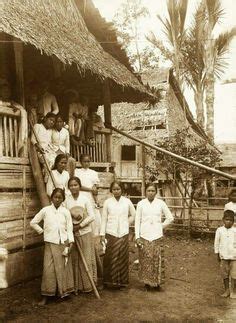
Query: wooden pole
x,y
18,51
107,115
143,161
164,151
44,158
87,271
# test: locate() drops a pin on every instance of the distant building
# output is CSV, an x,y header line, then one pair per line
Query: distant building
x,y
152,124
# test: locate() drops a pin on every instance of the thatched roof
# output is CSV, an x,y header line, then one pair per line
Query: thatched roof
x,y
56,27
149,122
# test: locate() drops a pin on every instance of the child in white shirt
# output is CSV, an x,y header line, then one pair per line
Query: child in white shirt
x,y
225,249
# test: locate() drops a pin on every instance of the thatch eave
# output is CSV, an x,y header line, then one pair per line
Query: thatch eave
x,y
57,28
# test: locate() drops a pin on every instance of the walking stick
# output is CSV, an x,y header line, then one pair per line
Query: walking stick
x,y
87,271
43,155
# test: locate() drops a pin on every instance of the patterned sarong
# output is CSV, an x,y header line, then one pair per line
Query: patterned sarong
x,y
81,279
151,262
57,276
116,261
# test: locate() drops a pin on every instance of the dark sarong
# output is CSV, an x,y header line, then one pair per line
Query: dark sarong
x,y
151,263
57,275
116,261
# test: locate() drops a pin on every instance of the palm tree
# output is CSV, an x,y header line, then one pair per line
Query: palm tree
x,y
214,50
200,58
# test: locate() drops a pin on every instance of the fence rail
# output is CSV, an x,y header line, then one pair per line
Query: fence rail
x,y
9,132
99,151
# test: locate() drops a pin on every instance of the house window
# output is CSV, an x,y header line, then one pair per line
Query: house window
x,y
128,153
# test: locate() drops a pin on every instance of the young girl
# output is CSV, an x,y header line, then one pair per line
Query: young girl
x,y
82,235
58,237
118,214
60,175
149,237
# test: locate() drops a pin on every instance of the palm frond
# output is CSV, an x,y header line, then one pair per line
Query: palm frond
x,y
220,49
159,44
214,11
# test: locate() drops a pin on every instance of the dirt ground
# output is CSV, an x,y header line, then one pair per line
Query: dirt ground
x,y
191,294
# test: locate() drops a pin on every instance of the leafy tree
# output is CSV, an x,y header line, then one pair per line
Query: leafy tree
x,y
128,21
184,142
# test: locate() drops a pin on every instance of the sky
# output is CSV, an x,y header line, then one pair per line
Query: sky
x,y
225,103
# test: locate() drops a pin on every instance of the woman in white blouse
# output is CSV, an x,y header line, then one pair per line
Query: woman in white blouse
x,y
149,237
118,214
82,216
60,175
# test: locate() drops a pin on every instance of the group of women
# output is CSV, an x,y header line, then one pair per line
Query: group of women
x,y
72,222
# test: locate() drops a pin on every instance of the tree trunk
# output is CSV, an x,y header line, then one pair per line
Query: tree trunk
x,y
199,101
210,96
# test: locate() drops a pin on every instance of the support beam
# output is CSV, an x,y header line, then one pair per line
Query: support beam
x,y
178,157
18,50
143,161
107,115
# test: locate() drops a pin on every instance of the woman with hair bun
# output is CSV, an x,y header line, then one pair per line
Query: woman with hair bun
x,y
118,214
149,237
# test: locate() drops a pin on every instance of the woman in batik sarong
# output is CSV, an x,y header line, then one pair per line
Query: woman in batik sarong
x,y
58,237
149,238
82,216
118,214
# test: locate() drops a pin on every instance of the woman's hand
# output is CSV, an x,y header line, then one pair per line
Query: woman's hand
x,y
139,243
39,148
76,227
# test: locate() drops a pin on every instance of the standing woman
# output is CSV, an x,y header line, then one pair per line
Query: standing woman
x,y
60,175
82,217
58,237
118,214
149,237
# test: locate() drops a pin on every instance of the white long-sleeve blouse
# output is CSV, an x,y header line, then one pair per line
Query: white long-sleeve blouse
x,y
148,221
116,216
57,224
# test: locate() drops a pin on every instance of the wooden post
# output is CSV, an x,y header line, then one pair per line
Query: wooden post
x,y
107,115
24,207
18,50
143,163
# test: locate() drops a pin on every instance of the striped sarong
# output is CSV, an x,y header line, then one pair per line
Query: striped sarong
x,y
116,261
151,263
57,275
81,279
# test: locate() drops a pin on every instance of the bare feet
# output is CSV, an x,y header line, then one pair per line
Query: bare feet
x,y
226,293
43,301
233,295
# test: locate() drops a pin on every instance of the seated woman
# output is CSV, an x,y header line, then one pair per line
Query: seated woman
x,y
61,143
43,132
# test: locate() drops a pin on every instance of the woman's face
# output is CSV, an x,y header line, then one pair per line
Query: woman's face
x,y
61,165
74,187
85,162
49,123
151,192
57,199
59,124
116,190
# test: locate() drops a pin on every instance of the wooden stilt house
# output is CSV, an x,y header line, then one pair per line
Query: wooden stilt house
x,y
46,40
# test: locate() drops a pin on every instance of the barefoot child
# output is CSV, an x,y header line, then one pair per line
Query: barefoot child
x,y
58,237
225,249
